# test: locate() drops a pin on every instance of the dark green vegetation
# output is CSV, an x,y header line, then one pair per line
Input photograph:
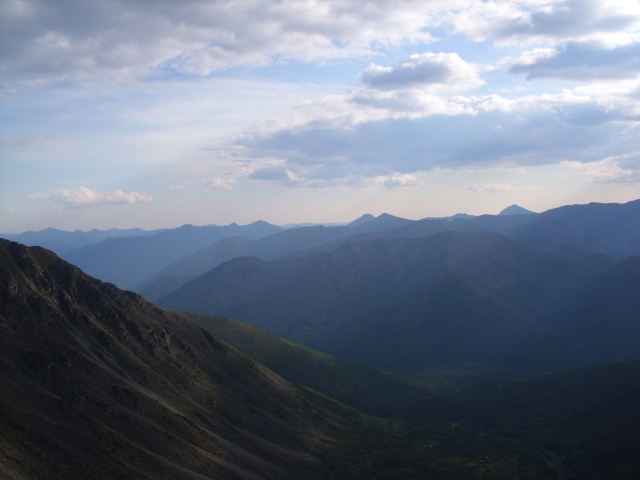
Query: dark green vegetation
x,y
449,298
99,383
372,391
587,420
590,417
126,262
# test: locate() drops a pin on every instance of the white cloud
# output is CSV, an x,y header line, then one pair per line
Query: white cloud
x,y
531,57
582,60
499,187
214,182
83,197
545,21
60,40
121,39
434,72
397,180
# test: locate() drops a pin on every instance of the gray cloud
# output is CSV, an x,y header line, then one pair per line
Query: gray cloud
x,y
584,60
511,22
568,19
490,138
67,39
445,70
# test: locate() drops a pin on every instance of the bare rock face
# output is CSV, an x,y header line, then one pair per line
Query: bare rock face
x,y
99,383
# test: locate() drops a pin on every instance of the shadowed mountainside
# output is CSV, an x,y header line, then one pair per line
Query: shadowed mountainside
x,y
574,230
590,416
97,383
407,304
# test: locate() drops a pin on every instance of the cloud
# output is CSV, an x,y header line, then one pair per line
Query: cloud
x,y
83,197
135,38
67,40
498,187
214,182
581,61
8,210
530,130
397,180
513,23
607,170
443,72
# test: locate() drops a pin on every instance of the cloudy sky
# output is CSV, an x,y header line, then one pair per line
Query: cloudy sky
x,y
154,114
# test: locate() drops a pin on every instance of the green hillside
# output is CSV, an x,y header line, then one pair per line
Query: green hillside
x,y
360,386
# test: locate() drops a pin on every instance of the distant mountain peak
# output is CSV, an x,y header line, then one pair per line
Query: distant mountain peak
x,y
515,210
367,217
386,215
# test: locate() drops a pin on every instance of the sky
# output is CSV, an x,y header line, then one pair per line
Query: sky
x,y
156,114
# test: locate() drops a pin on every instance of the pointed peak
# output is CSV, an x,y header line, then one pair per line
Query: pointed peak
x,y
515,210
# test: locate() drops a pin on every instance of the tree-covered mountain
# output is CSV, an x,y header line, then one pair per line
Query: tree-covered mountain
x,y
588,419
126,262
452,297
362,387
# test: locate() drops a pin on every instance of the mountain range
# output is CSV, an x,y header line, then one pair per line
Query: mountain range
x,y
167,259
60,241
452,297
99,383
126,262
567,230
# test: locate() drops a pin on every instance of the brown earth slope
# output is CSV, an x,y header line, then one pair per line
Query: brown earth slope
x,y
99,383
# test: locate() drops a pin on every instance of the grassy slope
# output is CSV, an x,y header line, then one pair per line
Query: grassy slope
x,y
355,384
586,419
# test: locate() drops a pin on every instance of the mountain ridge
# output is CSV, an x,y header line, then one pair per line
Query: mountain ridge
x,y
370,301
